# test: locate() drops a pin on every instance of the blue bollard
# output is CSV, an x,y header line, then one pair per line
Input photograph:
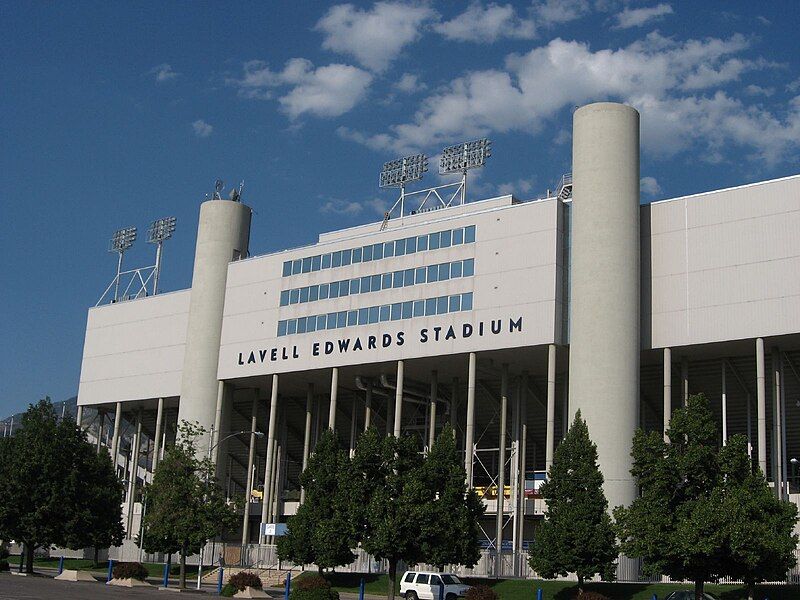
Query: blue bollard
x,y
361,589
166,574
539,594
110,570
60,565
220,579
655,597
288,585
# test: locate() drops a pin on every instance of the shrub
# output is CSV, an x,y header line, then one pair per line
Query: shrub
x,y
591,596
228,590
129,570
4,553
481,592
244,579
4,565
312,587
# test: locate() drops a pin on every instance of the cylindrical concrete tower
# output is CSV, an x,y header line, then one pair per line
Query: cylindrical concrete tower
x,y
222,236
605,281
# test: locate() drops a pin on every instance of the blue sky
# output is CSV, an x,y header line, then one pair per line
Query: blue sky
x,y
115,114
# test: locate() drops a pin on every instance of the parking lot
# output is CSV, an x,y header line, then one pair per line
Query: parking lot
x,y
14,587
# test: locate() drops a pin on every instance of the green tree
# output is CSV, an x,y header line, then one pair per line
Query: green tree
x,y
449,515
675,525
577,535
53,486
320,532
185,504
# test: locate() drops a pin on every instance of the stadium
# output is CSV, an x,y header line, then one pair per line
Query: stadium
x,y
500,316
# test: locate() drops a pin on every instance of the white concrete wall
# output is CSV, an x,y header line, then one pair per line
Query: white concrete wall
x,y
722,265
134,350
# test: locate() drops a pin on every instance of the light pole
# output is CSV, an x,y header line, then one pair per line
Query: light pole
x,y
794,463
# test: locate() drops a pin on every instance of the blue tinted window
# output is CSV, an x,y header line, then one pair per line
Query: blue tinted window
x,y
297,266
367,254
363,316
303,295
433,273
284,297
311,325
430,307
400,248
422,243
458,236
397,279
456,269
315,262
455,303
313,293
387,281
433,241
291,328
334,293
377,251
321,321
388,249
419,308
365,284
347,257
301,325
419,275
441,305
324,290
287,269
281,328
411,245
466,301
385,312
469,234
373,314
445,238
307,264
375,284
294,296
355,286
344,288
352,318
331,320
469,267
326,261
336,261
341,319
444,271
407,309
397,311
356,255
408,277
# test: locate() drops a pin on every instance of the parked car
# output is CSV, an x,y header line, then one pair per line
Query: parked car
x,y
687,595
426,585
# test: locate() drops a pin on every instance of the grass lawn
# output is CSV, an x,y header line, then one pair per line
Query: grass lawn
x,y
153,569
518,589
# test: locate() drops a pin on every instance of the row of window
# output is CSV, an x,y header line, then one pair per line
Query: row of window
x,y
375,283
376,314
381,250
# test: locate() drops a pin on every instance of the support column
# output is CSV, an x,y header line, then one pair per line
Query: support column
x,y
368,407
523,450
469,436
157,433
268,468
101,423
251,455
398,400
777,429
685,379
501,473
334,394
215,437
761,406
307,434
724,407
137,441
79,416
551,406
115,437
667,390
513,475
434,395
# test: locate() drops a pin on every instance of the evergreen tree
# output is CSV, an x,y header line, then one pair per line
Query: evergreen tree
x,y
321,531
185,505
577,534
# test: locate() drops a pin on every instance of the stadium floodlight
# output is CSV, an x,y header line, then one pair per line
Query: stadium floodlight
x,y
463,157
122,239
396,173
160,230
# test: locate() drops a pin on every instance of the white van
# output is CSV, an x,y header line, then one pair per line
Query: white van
x,y
427,585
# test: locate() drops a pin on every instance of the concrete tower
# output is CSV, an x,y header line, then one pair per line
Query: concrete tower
x,y
604,310
222,236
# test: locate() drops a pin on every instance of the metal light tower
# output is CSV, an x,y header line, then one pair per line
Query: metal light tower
x,y
121,241
159,231
462,157
396,173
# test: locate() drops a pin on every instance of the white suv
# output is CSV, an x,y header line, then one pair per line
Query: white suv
x,y
426,585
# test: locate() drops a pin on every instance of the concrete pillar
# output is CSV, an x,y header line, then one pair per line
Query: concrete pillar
x,y
334,394
222,236
667,390
268,468
777,429
469,437
217,429
251,455
398,400
523,450
79,416
353,424
724,407
134,469
513,475
551,407
761,406
605,340
157,433
115,437
368,406
685,379
501,472
101,423
307,434
434,396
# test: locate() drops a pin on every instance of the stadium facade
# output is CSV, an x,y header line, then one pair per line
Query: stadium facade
x,y
501,317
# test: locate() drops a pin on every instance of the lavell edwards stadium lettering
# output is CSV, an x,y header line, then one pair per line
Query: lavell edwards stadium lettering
x,y
374,342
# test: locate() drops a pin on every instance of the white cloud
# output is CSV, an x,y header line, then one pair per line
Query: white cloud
x,y
637,17
341,207
201,128
487,24
556,12
793,86
649,186
757,90
520,186
672,83
375,37
409,84
328,91
163,72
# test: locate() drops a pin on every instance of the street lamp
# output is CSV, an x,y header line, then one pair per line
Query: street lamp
x,y
794,463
